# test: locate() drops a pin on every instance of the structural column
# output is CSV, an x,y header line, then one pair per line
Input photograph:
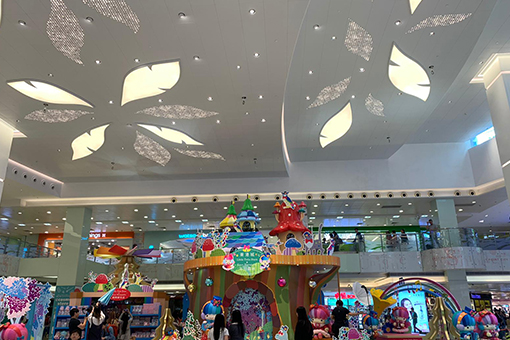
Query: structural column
x,y
447,221
457,284
6,134
71,270
496,78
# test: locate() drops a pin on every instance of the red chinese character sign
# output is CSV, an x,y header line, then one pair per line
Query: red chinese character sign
x,y
246,262
120,294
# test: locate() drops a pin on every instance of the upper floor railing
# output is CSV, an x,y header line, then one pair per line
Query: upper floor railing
x,y
18,248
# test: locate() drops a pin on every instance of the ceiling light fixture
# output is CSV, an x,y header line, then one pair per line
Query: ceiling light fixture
x,y
256,55
181,15
252,11
46,93
316,27
50,74
353,96
307,97
135,210
89,19
146,216
263,120
261,96
361,69
160,100
201,215
110,102
336,127
209,99
432,33
195,208
195,57
333,38
310,72
238,67
166,209
98,62
137,60
48,212
398,22
22,23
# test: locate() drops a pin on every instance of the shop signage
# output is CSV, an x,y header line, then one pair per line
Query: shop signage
x,y
187,235
246,262
481,301
120,294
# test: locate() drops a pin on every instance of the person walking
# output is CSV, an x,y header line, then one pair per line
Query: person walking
x,y
359,242
125,320
340,314
219,331
95,319
236,328
432,229
304,329
414,318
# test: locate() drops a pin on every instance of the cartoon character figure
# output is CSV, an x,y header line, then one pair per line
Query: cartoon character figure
x,y
228,262
370,322
209,312
171,335
399,320
320,319
465,324
346,333
308,239
487,325
282,333
265,261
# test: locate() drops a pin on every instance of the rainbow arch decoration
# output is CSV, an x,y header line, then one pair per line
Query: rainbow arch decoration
x,y
418,284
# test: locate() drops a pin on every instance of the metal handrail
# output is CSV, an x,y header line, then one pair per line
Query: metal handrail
x,y
16,247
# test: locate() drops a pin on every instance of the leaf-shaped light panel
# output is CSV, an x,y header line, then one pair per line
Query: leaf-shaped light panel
x,y
171,135
89,142
150,80
407,75
117,10
56,116
374,106
177,112
151,149
440,20
330,93
200,154
64,31
413,4
46,93
358,40
336,126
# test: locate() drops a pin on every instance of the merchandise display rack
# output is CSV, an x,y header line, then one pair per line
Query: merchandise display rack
x,y
61,323
153,320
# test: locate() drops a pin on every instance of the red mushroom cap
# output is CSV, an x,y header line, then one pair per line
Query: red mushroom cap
x,y
208,245
102,279
302,204
289,220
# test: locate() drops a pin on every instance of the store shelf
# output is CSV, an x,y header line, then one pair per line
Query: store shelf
x,y
144,327
146,314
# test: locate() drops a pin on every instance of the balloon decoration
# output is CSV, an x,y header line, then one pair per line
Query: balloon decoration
x,y
312,284
209,282
282,282
191,288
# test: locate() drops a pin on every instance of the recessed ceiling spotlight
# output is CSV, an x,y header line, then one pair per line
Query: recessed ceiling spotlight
x,y
333,37
135,210
146,216
22,23
409,203
238,67
50,74
316,27
461,210
173,122
98,62
398,22
253,145
361,69
110,102
195,57
401,211
201,215
166,209
481,221
307,97
432,33
261,96
160,100
89,19
19,213
486,215
195,208
353,96
247,113
48,212
173,216
181,15
252,11
310,72
217,121
474,202
346,204
400,93
256,55
263,120
209,99
480,63
137,60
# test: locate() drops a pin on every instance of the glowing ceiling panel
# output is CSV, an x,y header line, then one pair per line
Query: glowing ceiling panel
x,y
89,142
46,93
171,135
150,80
413,4
407,75
336,126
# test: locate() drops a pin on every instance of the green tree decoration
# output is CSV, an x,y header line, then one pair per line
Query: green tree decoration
x,y
192,329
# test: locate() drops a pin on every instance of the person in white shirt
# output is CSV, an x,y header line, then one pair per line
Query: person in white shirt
x,y
96,319
219,331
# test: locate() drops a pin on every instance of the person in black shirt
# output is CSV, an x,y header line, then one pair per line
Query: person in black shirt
x,y
74,324
339,315
236,328
304,329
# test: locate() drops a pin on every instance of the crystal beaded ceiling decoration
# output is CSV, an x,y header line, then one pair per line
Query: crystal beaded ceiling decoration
x,y
358,41
374,106
330,93
56,116
336,126
151,149
440,20
117,10
177,112
64,31
89,142
200,154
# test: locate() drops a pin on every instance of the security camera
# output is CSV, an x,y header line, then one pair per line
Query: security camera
x,y
430,194
337,196
417,194
377,195
323,196
174,200
364,195
403,195
457,193
256,198
350,195
215,199
194,199
390,195
472,192
309,196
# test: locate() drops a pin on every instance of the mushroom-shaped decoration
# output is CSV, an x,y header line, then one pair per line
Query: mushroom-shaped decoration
x,y
207,247
290,221
101,280
302,210
292,246
230,220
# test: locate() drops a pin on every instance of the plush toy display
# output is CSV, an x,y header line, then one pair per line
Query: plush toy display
x,y
320,319
487,325
465,324
399,321
16,331
370,322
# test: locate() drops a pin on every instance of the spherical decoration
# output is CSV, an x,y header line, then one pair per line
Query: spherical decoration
x,y
312,283
209,282
191,288
282,282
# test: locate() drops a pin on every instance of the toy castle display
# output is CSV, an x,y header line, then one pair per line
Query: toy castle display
x,y
236,268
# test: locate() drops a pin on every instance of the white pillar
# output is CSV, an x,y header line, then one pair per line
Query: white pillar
x,y
447,221
6,134
458,286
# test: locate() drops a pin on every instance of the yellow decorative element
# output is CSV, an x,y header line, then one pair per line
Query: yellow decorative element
x,y
336,126
166,323
150,80
413,4
441,323
381,304
89,142
171,135
407,75
46,93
